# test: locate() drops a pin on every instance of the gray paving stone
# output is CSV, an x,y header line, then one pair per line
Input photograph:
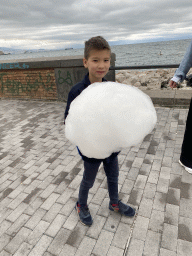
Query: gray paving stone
x,y
184,248
172,214
50,201
156,221
71,221
19,238
173,196
59,242
99,196
165,172
4,240
112,222
4,226
17,212
127,186
41,246
95,230
132,172
159,201
140,228
136,247
169,237
24,249
86,247
135,197
115,251
163,185
150,190
152,244
185,229
65,196
153,177
145,207
37,233
103,243
165,252
17,225
40,186
4,253
68,250
140,181
56,225
104,208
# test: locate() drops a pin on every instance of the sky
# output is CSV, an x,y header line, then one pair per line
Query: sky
x,y
60,24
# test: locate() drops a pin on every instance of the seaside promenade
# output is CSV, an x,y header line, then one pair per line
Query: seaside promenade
x,y
40,174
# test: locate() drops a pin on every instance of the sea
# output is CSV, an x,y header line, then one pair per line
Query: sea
x,y
153,53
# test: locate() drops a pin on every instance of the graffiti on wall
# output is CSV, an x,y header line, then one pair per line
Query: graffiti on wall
x,y
67,80
15,87
13,66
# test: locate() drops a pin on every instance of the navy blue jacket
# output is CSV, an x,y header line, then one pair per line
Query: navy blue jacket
x,y
74,92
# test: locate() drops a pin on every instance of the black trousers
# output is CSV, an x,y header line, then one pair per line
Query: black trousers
x,y
111,169
186,150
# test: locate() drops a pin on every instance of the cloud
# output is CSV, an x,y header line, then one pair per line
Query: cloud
x,y
54,24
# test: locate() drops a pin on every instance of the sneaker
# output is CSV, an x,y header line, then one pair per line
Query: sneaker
x,y
84,214
189,170
122,208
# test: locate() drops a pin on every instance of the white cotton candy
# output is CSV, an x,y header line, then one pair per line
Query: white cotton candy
x,y
107,117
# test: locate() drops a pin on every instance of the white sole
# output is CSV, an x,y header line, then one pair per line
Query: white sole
x,y
187,169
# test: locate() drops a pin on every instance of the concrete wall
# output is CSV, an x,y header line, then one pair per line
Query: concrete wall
x,y
43,78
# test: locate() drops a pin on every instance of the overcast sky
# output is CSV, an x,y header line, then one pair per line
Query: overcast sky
x,y
55,24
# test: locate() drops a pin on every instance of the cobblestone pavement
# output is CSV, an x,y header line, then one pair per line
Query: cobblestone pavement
x,y
40,173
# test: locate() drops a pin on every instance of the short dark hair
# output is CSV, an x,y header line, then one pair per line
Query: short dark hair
x,y
95,43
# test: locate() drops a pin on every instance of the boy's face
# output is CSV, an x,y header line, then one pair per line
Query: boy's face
x,y
98,64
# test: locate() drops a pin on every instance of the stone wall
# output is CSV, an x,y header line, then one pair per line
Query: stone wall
x,y
43,78
148,79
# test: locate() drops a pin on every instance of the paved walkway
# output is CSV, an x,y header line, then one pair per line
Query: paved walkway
x,y
40,173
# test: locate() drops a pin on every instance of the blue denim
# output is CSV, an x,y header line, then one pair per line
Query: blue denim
x,y
185,64
111,169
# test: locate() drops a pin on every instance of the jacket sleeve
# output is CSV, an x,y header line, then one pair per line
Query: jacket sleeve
x,y
185,64
71,97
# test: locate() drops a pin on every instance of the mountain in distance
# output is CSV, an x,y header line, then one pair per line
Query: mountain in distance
x,y
7,50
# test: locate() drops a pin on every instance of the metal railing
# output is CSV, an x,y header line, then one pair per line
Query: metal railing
x,y
145,67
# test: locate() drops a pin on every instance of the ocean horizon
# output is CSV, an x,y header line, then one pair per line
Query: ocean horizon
x,y
138,54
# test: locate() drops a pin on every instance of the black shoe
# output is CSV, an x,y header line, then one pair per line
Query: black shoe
x,y
84,214
189,170
122,208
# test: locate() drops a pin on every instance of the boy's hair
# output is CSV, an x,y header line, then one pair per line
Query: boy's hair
x,y
95,43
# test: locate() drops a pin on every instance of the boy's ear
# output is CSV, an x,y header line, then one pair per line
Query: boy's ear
x,y
85,62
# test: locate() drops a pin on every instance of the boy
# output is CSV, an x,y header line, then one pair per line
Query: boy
x,y
97,55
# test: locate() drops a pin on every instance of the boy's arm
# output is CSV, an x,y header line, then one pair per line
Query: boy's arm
x,y
71,97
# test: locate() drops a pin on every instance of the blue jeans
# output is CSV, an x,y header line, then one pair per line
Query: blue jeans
x,y
111,168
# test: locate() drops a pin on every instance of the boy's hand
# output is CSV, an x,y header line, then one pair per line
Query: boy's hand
x,y
172,84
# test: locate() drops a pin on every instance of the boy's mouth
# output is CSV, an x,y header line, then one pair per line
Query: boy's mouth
x,y
100,72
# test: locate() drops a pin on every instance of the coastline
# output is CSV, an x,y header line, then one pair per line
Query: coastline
x,y
150,79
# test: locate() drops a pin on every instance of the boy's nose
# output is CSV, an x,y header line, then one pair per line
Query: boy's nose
x,y
101,64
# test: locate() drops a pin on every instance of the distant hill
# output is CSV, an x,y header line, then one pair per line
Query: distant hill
x,y
6,50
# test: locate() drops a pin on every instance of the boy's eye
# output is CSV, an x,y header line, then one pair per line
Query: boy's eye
x,y
106,60
95,60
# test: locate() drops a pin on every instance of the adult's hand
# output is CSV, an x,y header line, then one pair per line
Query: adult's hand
x,y
172,84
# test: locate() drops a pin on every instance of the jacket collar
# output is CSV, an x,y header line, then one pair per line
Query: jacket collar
x,y
87,81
